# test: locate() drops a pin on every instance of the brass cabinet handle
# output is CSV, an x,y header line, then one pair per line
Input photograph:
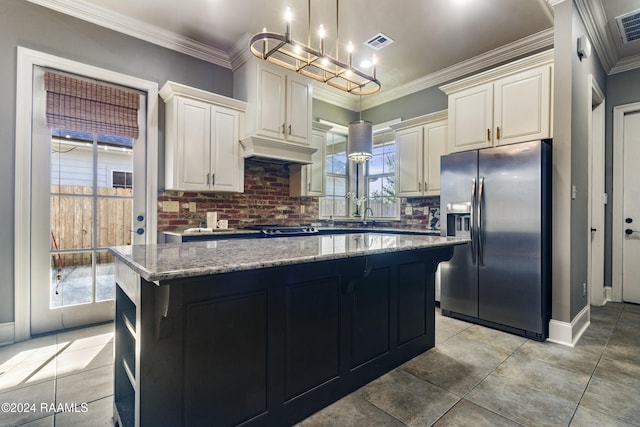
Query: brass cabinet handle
x,y
498,132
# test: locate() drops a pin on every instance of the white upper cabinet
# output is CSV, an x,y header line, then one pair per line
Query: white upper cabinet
x,y
420,142
308,180
201,140
279,102
505,105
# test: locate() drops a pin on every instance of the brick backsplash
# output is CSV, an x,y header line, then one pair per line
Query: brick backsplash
x,y
266,200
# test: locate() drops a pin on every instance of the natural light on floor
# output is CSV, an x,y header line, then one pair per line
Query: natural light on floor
x,y
43,358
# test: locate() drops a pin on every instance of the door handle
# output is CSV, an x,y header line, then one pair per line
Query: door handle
x,y
472,227
283,128
629,231
480,191
489,135
289,129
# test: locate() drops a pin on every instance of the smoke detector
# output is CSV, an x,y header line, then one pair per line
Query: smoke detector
x,y
379,41
629,26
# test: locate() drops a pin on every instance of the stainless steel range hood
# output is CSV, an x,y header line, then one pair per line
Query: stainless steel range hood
x,y
273,151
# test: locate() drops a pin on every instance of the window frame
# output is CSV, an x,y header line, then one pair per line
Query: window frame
x,y
379,129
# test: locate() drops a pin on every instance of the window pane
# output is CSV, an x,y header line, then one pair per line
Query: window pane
x,y
340,187
375,188
390,162
340,164
71,279
104,276
375,166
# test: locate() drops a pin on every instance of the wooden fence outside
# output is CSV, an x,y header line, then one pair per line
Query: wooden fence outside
x,y
72,215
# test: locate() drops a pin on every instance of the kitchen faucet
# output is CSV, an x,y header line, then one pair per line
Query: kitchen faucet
x,y
364,217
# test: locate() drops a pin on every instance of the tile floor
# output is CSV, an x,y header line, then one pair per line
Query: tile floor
x,y
475,376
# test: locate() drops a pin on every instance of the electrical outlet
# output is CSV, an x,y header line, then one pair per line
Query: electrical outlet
x,y
192,206
584,289
301,209
168,206
574,192
408,210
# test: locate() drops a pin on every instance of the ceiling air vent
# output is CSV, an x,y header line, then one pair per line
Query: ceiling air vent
x,y
629,26
379,41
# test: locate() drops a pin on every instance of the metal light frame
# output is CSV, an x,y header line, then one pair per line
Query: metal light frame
x,y
281,50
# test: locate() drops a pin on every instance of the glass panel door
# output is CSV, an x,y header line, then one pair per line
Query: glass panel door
x,y
86,188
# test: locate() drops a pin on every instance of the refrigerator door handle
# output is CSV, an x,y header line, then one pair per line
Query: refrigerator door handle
x,y
479,229
471,220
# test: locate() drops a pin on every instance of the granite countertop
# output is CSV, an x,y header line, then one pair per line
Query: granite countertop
x,y
210,232
355,229
179,260
383,229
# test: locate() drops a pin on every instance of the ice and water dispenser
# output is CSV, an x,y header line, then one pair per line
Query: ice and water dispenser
x,y
459,219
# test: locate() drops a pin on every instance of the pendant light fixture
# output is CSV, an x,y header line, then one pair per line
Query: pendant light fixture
x,y
360,139
282,50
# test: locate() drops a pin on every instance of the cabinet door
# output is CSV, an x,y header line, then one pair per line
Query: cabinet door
x,y
192,145
409,146
435,146
315,171
225,156
521,110
471,118
299,100
271,103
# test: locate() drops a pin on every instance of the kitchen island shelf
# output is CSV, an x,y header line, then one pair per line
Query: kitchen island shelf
x,y
267,331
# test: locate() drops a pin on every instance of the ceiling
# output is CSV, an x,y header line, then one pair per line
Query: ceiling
x,y
434,40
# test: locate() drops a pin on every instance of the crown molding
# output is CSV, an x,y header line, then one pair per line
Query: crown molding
x,y
626,64
138,29
519,48
595,20
523,64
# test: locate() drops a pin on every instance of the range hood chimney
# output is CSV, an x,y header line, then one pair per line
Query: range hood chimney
x,y
273,151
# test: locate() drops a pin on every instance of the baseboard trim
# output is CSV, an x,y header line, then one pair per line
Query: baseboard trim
x,y
569,333
608,293
7,331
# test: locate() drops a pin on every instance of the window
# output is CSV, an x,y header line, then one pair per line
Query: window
x,y
337,177
122,179
381,177
377,180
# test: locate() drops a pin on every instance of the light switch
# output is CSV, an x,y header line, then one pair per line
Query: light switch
x,y
408,210
192,206
574,192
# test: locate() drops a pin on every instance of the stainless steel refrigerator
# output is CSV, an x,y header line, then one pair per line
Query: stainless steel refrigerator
x,y
501,198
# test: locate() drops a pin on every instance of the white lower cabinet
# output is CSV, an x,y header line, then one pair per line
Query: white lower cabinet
x,y
202,151
420,143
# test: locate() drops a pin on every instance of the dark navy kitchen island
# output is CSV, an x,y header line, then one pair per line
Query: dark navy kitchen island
x,y
266,331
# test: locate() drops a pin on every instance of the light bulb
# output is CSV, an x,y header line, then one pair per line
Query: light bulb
x,y
321,31
325,61
350,47
288,15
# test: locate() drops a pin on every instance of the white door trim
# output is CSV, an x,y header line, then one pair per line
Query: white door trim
x,y
596,126
27,59
618,181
